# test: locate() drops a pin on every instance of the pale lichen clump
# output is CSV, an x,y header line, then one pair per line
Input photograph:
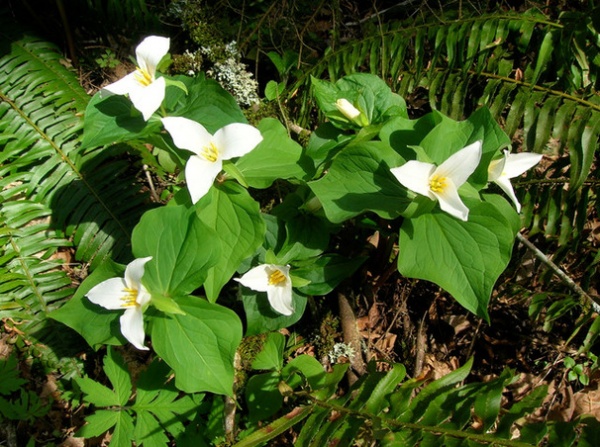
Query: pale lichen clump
x,y
341,353
232,75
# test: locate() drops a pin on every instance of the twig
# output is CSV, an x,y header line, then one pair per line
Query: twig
x,y
68,33
258,26
351,337
421,347
151,184
231,404
378,14
297,129
474,339
561,274
9,431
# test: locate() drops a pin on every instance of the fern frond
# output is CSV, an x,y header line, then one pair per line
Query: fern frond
x,y
383,408
539,77
52,193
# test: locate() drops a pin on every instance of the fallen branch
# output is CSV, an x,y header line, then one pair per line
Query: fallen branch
x,y
595,302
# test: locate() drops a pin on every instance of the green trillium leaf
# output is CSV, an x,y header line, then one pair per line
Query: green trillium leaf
x,y
261,317
239,227
276,157
464,258
112,119
206,102
182,247
199,345
366,92
360,180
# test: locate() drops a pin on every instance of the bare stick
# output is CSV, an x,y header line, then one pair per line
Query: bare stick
x,y
351,337
421,347
559,272
151,184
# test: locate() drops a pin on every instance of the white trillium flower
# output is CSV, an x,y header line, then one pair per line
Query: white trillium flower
x,y
511,165
233,140
347,109
275,280
441,183
126,293
145,90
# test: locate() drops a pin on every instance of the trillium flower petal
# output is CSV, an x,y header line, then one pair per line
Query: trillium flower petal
x,y
280,298
150,51
256,278
187,134
451,203
123,85
237,139
200,175
132,327
517,164
148,99
414,175
134,272
504,183
108,293
510,166
460,165
496,168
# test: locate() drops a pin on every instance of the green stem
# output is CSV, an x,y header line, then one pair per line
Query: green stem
x,y
275,428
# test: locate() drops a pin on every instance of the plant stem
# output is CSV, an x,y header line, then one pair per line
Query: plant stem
x,y
485,438
538,88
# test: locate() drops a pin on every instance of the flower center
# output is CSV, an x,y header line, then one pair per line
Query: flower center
x,y
143,77
437,183
276,278
210,153
130,297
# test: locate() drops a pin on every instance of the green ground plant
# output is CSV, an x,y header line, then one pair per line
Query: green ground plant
x,y
213,261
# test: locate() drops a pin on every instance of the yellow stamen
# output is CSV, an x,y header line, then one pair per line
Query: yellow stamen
x,y
143,77
437,183
130,297
276,278
210,153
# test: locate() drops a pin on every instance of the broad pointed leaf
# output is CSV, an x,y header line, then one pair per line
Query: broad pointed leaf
x,y
239,227
183,249
360,180
464,258
199,345
276,157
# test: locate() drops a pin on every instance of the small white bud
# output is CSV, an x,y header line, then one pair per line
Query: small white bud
x,y
347,109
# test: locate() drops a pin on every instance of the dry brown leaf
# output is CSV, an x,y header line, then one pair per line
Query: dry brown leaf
x,y
458,322
587,401
386,344
73,442
563,404
438,369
